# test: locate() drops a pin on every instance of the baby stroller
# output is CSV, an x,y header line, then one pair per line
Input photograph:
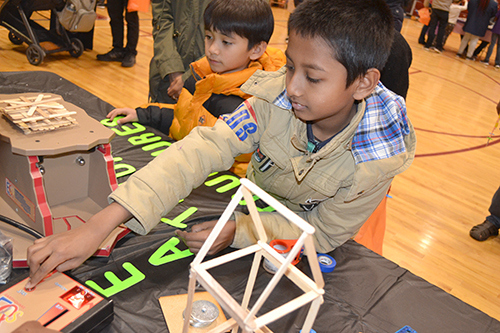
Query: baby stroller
x,y
70,15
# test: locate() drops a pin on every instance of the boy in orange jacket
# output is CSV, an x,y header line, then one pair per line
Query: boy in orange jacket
x,y
237,34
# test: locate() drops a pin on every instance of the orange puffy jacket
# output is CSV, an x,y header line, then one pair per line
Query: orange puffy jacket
x,y
189,111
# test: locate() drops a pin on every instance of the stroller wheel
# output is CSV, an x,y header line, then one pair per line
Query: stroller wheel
x,y
35,54
14,38
77,48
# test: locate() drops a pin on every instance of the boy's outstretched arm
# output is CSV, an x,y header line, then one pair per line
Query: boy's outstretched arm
x,y
70,249
129,113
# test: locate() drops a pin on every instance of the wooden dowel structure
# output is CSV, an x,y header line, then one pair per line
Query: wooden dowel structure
x,y
251,279
189,307
242,318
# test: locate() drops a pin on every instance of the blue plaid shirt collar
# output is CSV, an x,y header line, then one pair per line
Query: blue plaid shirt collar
x,y
380,133
283,101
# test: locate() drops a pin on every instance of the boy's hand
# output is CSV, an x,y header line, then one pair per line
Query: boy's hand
x,y
61,251
200,232
176,84
71,248
32,326
130,115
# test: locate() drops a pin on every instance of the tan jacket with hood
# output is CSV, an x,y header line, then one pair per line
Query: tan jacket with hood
x,y
330,189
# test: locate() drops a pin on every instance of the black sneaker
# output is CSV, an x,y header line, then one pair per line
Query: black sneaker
x,y
435,49
483,231
128,60
113,55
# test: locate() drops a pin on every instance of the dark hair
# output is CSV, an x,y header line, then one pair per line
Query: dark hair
x,y
359,32
250,19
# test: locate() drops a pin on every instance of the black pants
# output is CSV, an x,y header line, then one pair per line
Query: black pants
x,y
423,32
441,17
495,209
116,8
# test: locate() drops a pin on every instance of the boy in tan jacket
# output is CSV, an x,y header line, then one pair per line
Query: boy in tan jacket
x,y
327,139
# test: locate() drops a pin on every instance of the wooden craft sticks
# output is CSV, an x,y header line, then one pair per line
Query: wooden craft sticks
x,y
39,113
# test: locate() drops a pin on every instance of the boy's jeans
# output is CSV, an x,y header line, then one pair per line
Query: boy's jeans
x,y
494,40
495,209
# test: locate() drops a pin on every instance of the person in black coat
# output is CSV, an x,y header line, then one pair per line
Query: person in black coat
x,y
398,12
480,12
395,73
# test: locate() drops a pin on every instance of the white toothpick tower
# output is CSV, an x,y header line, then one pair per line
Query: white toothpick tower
x,y
241,316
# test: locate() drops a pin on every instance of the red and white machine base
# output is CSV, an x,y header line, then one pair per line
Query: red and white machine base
x,y
55,181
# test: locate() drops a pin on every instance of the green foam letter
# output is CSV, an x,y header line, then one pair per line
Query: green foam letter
x,y
159,258
177,221
235,182
117,284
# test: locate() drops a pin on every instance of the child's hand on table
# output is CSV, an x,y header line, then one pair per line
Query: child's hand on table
x,y
200,232
69,249
130,115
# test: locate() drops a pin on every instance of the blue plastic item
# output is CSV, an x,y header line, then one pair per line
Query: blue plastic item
x,y
326,263
406,329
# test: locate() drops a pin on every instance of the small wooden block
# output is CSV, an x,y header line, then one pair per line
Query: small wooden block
x,y
173,307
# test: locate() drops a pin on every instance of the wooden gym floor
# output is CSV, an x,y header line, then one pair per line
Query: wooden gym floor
x,y
451,103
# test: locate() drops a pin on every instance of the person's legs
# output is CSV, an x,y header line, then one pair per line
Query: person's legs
x,y
447,32
115,12
432,28
132,31
494,38
472,46
464,43
491,225
443,22
480,48
497,58
495,209
423,32
132,38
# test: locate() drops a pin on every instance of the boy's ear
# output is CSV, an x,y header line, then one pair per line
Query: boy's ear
x,y
366,84
258,50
